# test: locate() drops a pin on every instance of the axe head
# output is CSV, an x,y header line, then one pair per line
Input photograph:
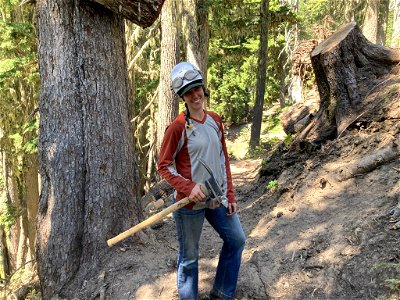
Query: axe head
x,y
215,194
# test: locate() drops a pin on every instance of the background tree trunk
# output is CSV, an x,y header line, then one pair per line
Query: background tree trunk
x,y
85,143
13,209
5,266
31,198
382,21
395,41
347,67
261,76
168,102
349,10
370,26
195,30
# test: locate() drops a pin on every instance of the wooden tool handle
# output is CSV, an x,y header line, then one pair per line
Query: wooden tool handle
x,y
154,218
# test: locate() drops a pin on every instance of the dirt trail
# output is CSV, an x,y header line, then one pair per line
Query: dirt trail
x,y
317,238
323,233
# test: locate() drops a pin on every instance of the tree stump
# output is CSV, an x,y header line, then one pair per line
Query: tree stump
x,y
347,68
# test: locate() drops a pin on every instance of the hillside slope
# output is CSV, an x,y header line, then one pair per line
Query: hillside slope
x,y
325,233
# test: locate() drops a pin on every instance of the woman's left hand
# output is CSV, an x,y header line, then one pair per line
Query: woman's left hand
x,y
232,208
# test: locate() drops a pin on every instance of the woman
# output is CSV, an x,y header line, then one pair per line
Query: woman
x,y
197,135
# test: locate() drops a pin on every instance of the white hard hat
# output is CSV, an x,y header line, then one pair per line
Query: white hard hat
x,y
184,76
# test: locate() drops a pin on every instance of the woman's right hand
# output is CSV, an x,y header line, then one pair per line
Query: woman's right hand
x,y
196,195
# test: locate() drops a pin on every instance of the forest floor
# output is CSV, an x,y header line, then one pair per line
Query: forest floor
x,y
321,231
315,229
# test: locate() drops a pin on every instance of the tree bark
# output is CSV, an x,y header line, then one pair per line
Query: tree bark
x,y
395,41
382,21
204,36
9,165
31,199
85,144
5,259
349,10
142,13
168,102
370,27
347,67
196,33
261,76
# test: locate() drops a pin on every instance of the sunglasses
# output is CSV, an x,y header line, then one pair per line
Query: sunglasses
x,y
189,75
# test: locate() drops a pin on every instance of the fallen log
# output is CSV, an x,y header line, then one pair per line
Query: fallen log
x,y
370,162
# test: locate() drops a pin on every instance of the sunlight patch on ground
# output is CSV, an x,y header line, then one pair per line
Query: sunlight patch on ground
x,y
157,289
286,283
262,228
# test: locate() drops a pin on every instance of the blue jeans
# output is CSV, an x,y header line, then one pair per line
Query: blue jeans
x,y
189,225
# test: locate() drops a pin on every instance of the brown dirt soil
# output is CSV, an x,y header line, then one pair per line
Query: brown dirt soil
x,y
318,235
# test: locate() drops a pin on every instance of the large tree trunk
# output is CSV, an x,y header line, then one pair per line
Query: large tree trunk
x,y
347,67
85,142
168,102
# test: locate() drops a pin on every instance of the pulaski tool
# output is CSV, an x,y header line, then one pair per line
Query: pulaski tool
x,y
215,197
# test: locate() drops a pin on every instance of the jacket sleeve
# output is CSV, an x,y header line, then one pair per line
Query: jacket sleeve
x,y
171,145
230,191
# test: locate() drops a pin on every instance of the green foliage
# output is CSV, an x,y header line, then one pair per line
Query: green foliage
x,y
272,124
30,129
19,82
382,266
233,56
326,14
26,140
309,12
264,164
19,88
288,140
273,185
393,284
18,51
8,214
232,87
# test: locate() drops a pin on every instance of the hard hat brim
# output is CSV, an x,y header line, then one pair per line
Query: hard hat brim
x,y
188,87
